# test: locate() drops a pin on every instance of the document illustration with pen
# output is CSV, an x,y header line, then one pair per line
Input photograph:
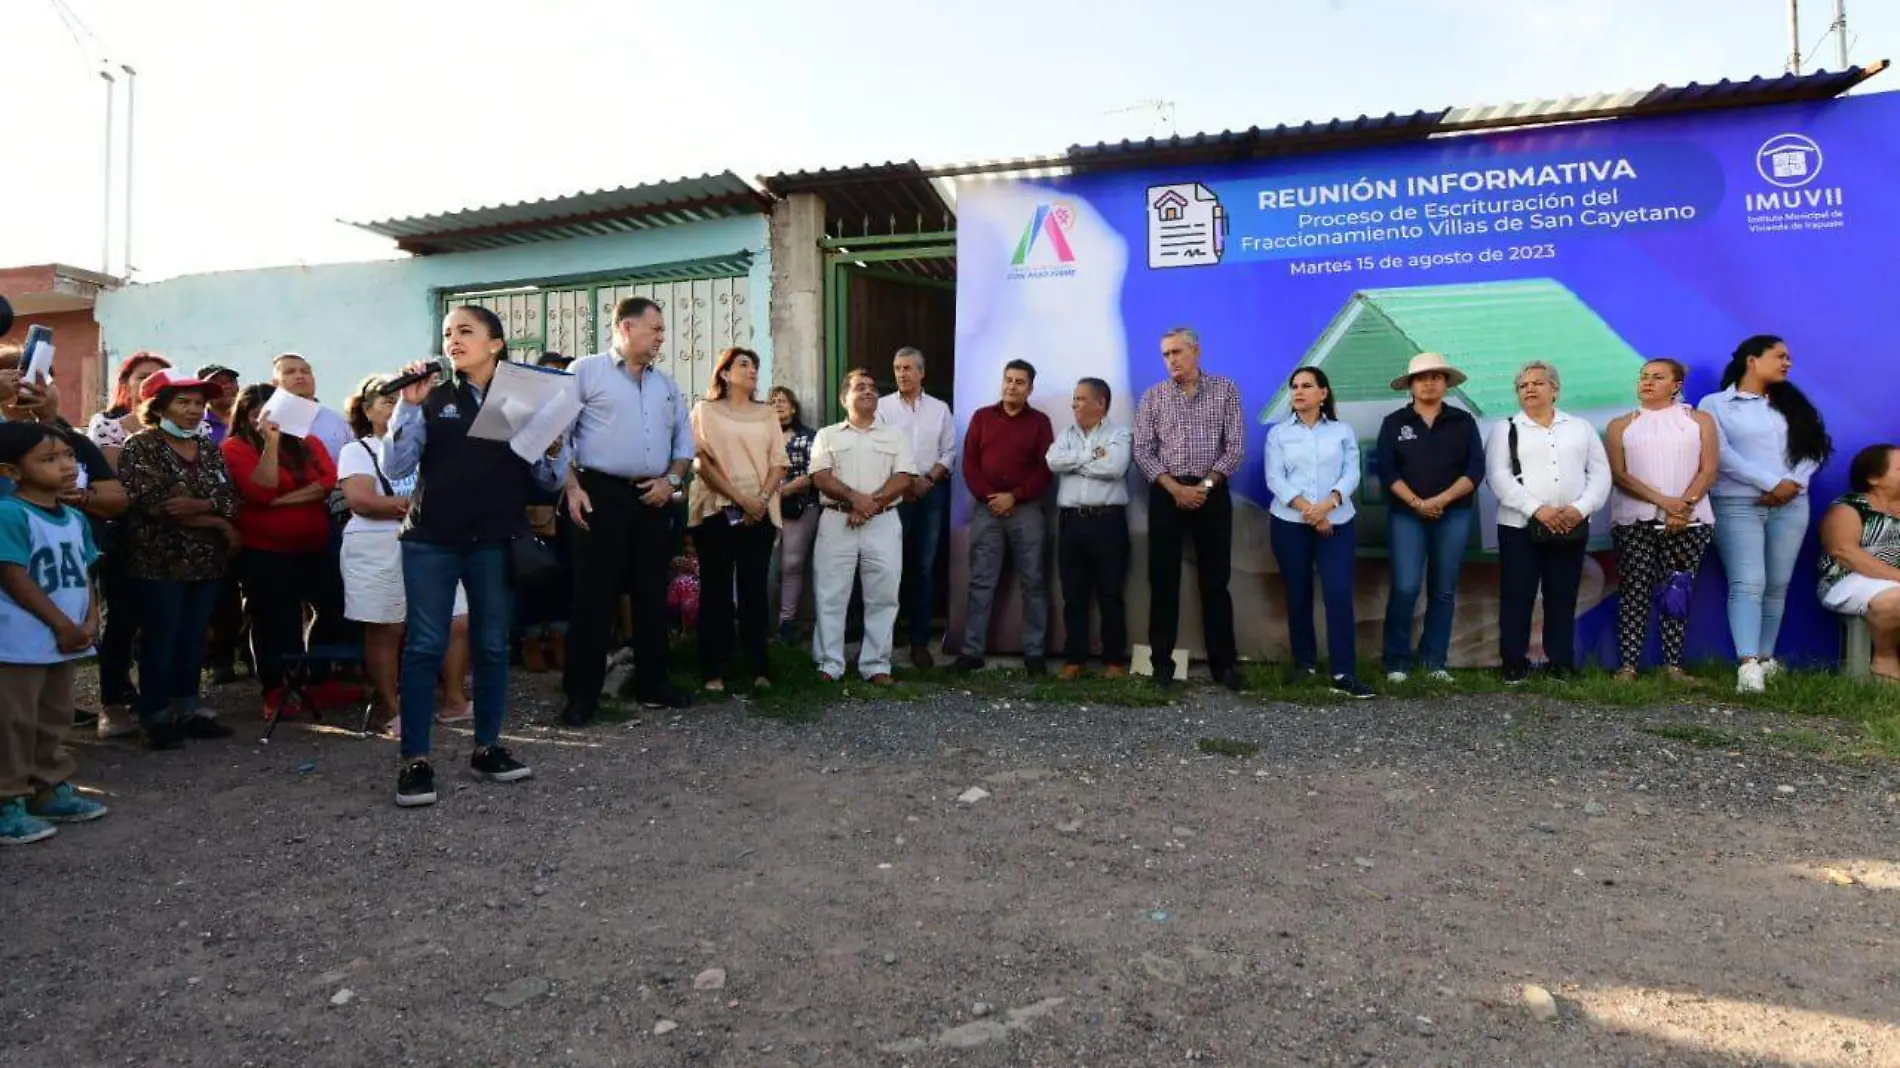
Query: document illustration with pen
x,y
528,407
1187,227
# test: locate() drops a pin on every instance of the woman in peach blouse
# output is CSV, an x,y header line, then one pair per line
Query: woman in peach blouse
x,y
733,515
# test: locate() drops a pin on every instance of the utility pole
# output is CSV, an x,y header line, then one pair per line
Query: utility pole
x,y
1840,29
131,144
105,219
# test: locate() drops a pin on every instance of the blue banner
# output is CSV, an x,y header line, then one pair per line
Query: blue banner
x,y
1593,245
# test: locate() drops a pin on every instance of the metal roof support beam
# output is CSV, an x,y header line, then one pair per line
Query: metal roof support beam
x,y
433,242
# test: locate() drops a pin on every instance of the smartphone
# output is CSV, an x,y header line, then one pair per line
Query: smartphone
x,y
36,359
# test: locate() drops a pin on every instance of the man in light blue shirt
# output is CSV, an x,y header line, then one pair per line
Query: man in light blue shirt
x,y
1090,462
632,447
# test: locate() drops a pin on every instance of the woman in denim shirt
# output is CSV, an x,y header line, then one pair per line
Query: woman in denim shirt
x,y
1312,471
1771,441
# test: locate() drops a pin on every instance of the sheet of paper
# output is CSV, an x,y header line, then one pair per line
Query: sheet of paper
x,y
292,414
1187,226
528,407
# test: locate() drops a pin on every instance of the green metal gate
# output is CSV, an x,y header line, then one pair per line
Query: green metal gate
x,y
706,313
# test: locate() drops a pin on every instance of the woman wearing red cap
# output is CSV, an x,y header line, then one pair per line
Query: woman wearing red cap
x,y
180,540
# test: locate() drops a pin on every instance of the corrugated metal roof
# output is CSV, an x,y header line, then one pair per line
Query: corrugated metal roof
x,y
606,211
1260,141
1489,330
876,198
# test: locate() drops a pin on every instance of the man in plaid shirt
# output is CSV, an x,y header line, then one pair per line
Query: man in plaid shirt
x,y
1188,444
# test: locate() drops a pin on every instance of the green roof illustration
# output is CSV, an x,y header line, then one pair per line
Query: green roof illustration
x,y
1489,330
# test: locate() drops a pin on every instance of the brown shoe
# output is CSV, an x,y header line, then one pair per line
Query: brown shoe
x,y
556,644
1115,671
881,680
1070,672
920,657
531,659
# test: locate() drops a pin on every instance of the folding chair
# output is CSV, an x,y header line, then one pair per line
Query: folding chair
x,y
300,670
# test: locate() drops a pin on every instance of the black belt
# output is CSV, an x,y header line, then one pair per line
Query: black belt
x,y
1090,511
631,481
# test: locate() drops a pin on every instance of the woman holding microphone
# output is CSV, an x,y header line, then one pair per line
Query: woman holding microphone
x,y
469,505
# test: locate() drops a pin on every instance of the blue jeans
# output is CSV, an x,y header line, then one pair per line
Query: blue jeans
x,y
1298,548
174,617
429,575
1426,555
1758,546
923,531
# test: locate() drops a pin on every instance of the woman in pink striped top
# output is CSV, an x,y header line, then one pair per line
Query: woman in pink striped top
x,y
1663,460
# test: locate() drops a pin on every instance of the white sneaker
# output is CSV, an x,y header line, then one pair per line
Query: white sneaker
x,y
1441,675
1770,668
1395,677
117,723
1750,678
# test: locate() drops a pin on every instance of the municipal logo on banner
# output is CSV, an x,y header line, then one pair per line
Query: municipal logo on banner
x,y
1043,250
1789,163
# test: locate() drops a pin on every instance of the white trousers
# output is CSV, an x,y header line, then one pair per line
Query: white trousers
x,y
876,552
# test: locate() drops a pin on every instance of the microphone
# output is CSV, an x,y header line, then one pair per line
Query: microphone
x,y
401,382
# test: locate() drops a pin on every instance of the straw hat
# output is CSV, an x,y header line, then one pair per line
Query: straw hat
x,y
1428,361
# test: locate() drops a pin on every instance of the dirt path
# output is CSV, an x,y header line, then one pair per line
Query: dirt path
x,y
1376,886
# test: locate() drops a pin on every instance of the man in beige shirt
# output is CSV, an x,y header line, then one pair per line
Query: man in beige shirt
x,y
862,468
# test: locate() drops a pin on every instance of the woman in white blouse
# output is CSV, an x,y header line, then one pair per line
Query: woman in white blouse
x,y
1550,472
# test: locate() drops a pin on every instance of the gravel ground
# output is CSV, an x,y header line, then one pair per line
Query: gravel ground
x,y
1382,884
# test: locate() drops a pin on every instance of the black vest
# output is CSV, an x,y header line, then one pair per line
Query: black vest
x,y
467,489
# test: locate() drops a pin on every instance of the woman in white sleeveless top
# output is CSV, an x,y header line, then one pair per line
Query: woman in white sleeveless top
x,y
1663,459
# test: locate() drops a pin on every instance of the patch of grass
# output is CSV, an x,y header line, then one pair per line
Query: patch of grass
x,y
1227,747
1693,734
797,695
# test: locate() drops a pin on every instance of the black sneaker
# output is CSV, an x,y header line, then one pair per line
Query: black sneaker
x,y
1164,679
1036,666
967,664
85,719
1231,678
203,727
493,763
667,698
415,787
1352,687
575,714
162,735
1515,675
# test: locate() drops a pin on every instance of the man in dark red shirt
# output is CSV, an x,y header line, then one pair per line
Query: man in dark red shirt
x,y
1005,467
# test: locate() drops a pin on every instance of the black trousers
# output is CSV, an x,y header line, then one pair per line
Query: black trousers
x,y
727,552
1210,528
276,588
628,547
1092,558
122,614
1523,568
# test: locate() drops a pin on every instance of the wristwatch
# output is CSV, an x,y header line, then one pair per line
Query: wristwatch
x,y
673,480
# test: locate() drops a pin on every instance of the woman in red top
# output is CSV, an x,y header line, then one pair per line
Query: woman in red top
x,y
282,484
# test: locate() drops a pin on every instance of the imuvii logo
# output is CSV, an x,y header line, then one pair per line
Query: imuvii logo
x,y
1043,250
1790,162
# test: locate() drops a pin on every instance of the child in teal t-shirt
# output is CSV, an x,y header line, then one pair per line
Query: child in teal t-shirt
x,y
49,615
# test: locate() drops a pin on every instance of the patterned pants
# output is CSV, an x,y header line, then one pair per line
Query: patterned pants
x,y
1646,554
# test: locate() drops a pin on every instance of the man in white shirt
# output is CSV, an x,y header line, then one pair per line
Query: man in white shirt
x,y
1090,462
293,374
930,429
862,467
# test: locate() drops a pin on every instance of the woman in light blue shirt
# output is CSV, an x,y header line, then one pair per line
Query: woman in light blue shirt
x,y
1771,441
1312,471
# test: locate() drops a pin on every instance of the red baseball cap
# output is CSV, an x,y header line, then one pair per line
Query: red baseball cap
x,y
169,379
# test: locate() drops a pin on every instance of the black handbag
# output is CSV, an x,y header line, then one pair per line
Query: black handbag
x,y
1538,532
530,560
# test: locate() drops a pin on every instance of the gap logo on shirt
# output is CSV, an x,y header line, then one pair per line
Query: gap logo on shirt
x,y
52,576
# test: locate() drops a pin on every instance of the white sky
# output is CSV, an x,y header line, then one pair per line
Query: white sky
x,y
261,122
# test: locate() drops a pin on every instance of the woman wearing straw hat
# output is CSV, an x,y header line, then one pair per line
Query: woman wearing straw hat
x,y
1430,461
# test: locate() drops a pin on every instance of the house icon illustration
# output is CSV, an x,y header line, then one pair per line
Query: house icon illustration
x,y
1170,206
1187,227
